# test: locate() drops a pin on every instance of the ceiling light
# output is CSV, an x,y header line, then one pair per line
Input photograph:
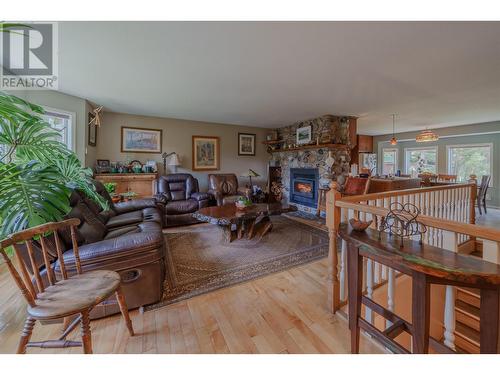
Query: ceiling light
x,y
427,136
393,140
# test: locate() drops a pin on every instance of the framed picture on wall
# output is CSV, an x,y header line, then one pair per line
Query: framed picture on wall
x,y
206,153
304,135
141,140
92,140
246,144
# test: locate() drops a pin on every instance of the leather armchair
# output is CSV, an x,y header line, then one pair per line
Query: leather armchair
x,y
223,188
179,192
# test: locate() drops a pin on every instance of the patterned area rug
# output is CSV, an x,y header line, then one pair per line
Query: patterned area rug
x,y
198,261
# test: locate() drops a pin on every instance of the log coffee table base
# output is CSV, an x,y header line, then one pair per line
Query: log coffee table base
x,y
251,222
246,228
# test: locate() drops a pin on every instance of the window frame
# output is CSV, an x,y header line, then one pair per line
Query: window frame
x,y
406,159
465,145
396,158
71,127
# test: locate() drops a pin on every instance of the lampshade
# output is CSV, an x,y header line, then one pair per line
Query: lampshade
x,y
174,161
427,136
251,173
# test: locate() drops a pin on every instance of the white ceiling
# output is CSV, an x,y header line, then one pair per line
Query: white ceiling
x,y
272,74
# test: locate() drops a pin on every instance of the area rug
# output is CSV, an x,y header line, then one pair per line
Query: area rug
x,y
198,261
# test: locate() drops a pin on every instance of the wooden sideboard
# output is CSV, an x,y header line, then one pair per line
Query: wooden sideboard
x,y
144,184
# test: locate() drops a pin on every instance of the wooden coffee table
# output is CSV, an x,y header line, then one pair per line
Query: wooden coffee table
x,y
250,222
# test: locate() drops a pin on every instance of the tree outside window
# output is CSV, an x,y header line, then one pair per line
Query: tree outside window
x,y
464,160
421,160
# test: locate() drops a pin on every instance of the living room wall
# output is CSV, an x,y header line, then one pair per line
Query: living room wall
x,y
177,137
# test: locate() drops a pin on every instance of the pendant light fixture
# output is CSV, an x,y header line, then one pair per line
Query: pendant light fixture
x,y
393,140
426,136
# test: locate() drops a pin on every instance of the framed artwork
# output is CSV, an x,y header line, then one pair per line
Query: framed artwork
x,y
103,163
304,135
246,144
141,140
92,140
206,153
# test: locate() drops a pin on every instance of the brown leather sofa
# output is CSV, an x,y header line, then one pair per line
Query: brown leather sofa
x,y
127,239
179,192
223,188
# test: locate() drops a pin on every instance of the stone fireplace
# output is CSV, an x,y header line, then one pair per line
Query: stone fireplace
x,y
328,162
304,186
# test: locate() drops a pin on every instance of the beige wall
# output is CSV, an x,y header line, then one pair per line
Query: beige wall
x,y
177,137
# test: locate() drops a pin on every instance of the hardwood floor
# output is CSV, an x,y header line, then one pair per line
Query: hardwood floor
x,y
280,313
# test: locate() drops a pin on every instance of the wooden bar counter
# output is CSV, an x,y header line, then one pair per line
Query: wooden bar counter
x,y
426,265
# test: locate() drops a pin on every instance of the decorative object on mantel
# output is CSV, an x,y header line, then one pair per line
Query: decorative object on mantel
x,y
359,225
141,140
401,221
304,135
426,136
246,144
206,153
95,117
393,140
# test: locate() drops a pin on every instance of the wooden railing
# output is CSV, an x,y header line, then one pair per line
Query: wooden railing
x,y
448,211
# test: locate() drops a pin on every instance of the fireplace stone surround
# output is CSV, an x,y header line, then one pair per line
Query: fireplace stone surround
x,y
331,164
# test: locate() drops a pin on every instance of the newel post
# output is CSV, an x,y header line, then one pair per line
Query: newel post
x,y
473,197
332,222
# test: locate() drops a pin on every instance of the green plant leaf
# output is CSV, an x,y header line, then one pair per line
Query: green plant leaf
x,y
30,194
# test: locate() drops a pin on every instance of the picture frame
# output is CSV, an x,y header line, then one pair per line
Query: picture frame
x,y
141,140
92,136
246,144
103,163
304,135
205,153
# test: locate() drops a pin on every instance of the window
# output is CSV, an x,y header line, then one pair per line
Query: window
x,y
389,161
62,122
420,160
464,160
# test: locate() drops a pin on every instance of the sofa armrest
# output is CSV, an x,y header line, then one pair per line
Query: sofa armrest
x,y
200,196
95,254
161,198
134,205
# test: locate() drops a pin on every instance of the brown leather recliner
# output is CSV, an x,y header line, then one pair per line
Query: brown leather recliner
x,y
127,239
223,188
179,192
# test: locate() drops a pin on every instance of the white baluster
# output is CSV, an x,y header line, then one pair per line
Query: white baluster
x,y
369,288
376,273
450,242
449,317
342,273
391,284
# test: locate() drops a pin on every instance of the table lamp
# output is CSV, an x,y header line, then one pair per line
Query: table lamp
x,y
174,161
251,173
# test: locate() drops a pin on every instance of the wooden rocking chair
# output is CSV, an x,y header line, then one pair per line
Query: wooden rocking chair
x,y
64,298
